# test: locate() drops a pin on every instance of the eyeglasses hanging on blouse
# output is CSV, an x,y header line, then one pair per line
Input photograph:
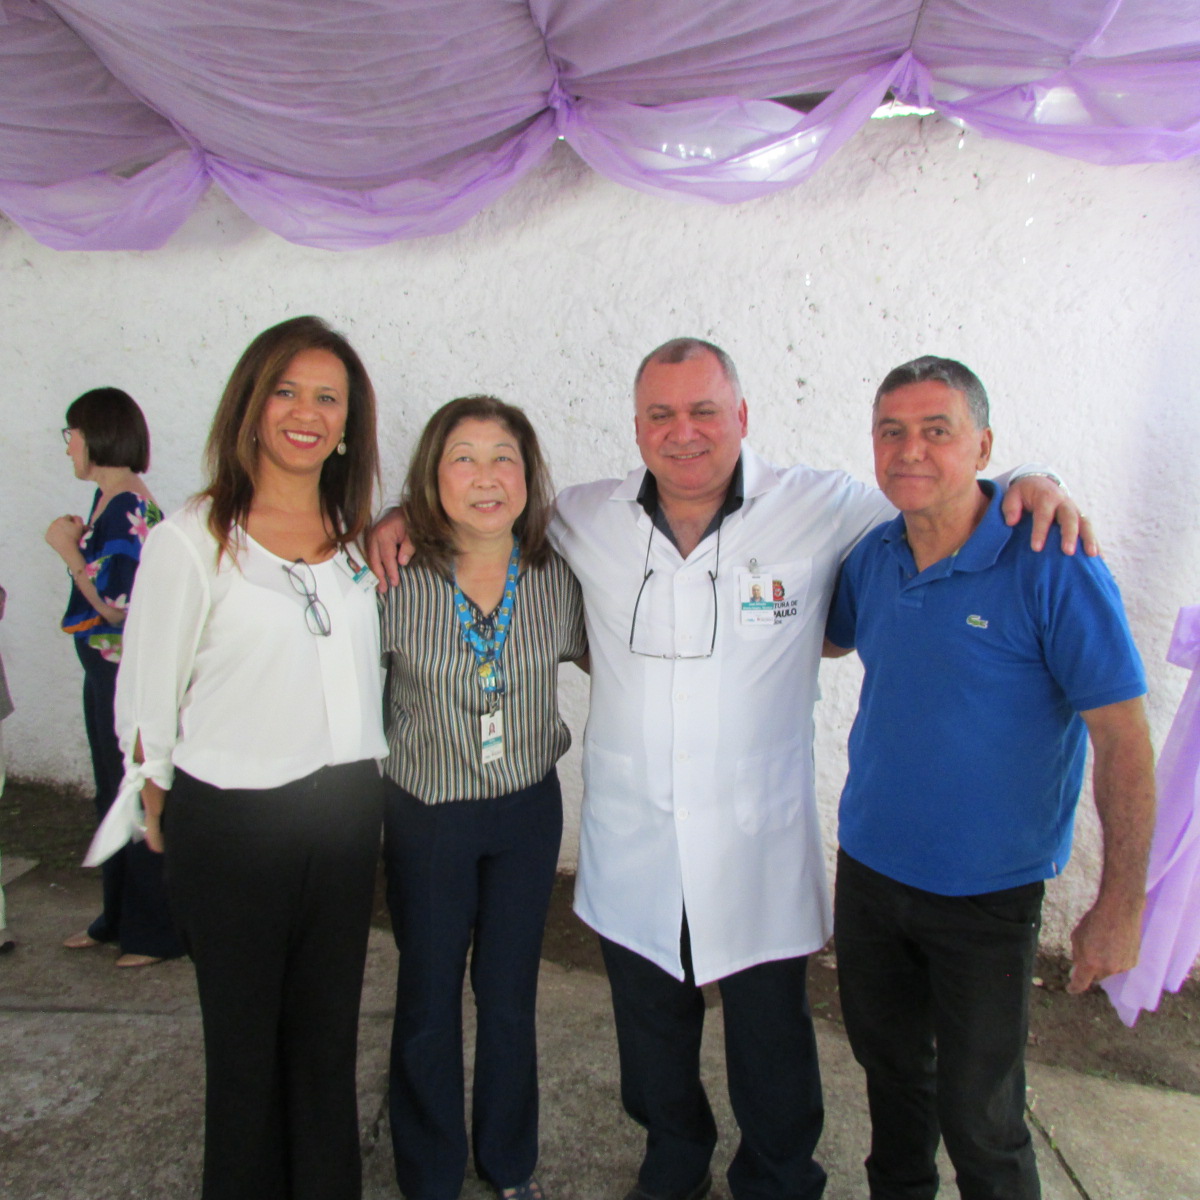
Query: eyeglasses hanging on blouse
x,y
316,615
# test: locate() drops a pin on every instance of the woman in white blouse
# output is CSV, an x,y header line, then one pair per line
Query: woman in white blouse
x,y
249,711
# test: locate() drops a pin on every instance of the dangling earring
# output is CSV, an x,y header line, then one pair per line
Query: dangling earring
x,y
341,446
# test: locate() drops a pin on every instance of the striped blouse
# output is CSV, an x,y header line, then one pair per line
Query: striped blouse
x,y
434,700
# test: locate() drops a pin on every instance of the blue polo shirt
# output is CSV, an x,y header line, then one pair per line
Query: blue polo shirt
x,y
967,754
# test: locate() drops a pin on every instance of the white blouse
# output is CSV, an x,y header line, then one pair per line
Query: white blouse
x,y
222,678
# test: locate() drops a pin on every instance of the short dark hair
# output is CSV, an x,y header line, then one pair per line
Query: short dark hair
x,y
941,370
429,528
682,349
348,480
113,427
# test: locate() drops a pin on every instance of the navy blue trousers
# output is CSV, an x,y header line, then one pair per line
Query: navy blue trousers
x,y
273,890
935,996
770,1060
135,912
467,876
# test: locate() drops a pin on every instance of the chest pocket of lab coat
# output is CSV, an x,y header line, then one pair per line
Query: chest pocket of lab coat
x,y
789,591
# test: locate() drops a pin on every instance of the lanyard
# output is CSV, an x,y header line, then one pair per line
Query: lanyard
x,y
488,650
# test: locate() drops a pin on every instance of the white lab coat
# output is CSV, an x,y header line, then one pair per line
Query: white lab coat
x,y
698,773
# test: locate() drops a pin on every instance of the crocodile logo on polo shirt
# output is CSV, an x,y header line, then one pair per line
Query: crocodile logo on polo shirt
x,y
977,621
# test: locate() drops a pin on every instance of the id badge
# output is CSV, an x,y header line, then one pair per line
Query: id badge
x,y
362,575
756,598
491,736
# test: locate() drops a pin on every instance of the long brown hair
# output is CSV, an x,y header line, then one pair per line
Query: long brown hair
x,y
348,481
429,528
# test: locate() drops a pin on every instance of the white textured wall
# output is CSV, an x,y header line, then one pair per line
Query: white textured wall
x,y
1070,288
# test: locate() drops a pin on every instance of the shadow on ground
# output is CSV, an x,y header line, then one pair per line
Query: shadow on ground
x,y
1082,1033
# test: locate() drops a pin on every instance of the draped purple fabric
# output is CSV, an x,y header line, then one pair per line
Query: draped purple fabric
x,y
1171,926
355,122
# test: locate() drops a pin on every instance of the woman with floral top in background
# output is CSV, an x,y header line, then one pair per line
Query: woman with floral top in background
x,y
109,445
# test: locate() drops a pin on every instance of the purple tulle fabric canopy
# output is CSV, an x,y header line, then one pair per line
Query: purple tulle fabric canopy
x,y
349,123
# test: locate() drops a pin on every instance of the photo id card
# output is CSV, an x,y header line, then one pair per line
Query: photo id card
x,y
756,598
362,575
491,736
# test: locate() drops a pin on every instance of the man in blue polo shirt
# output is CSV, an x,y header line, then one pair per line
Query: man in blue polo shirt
x,y
987,667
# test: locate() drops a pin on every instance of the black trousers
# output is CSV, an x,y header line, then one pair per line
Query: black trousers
x,y
135,912
771,1063
935,996
467,875
272,889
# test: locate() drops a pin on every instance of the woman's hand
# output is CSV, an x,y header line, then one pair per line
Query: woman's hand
x,y
63,535
154,837
153,798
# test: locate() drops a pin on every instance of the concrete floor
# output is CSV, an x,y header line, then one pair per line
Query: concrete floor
x,y
101,1087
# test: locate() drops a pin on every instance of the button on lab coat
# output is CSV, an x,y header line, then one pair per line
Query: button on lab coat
x,y
698,772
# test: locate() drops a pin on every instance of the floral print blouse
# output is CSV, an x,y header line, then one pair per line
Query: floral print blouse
x,y
111,546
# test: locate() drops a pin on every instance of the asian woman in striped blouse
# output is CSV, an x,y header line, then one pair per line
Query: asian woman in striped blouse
x,y
473,637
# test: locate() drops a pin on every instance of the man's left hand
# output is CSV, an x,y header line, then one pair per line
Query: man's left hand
x,y
1041,496
388,548
1103,945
